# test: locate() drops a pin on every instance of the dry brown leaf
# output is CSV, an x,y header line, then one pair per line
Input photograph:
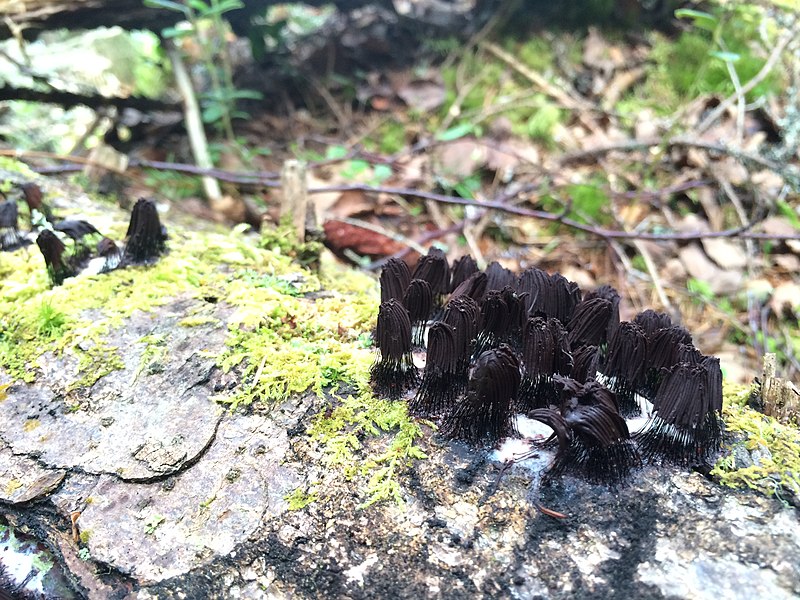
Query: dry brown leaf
x,y
786,297
731,361
619,84
580,276
731,170
351,203
646,125
599,54
233,209
769,182
708,200
381,103
462,158
777,226
781,226
696,158
632,214
414,170
674,271
753,144
699,266
322,201
788,262
343,236
691,223
422,95
726,253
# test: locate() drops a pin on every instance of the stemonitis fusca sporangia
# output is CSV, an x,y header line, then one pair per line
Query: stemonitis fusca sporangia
x,y
500,345
73,246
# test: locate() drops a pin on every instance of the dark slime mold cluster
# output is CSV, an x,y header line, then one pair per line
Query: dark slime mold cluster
x,y
498,344
68,246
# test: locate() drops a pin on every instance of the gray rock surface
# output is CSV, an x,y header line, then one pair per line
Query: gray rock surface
x,y
179,497
132,425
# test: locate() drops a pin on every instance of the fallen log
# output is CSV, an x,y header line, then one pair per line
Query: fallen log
x,y
30,18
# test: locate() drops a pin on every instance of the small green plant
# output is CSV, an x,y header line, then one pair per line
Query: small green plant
x,y
206,24
50,321
359,169
152,522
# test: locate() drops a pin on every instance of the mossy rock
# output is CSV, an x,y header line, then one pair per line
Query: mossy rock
x,y
210,418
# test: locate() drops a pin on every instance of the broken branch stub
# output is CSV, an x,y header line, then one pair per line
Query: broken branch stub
x,y
294,204
781,397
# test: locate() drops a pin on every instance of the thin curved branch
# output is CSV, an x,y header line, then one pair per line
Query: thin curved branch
x,y
606,234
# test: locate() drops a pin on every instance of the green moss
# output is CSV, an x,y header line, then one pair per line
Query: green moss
x,y
85,535
17,167
285,344
489,83
543,121
291,331
152,522
153,356
197,321
89,307
340,432
281,239
536,52
95,362
772,475
300,498
391,137
684,68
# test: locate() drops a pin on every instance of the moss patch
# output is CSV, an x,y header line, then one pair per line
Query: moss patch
x,y
341,434
300,498
75,318
775,474
290,330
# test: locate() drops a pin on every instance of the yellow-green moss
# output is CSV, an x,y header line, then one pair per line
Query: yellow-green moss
x,y
291,330
17,167
285,344
300,498
772,475
76,317
12,486
155,352
197,321
340,433
85,535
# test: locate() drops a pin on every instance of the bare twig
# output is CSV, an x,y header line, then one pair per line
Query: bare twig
x,y
541,82
194,124
73,163
267,180
785,171
606,234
